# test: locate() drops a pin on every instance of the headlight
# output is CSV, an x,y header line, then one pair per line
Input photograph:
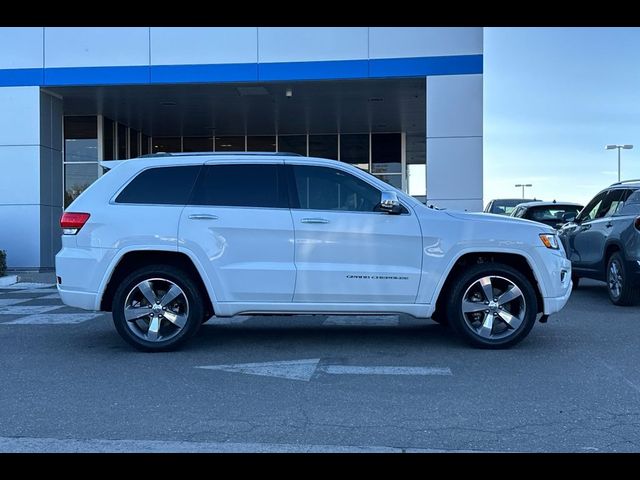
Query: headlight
x,y
550,240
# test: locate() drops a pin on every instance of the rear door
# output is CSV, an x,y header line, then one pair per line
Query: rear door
x,y
239,225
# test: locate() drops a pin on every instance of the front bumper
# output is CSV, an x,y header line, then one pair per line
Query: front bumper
x,y
556,278
555,304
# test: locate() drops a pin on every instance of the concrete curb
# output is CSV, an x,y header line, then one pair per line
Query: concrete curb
x,y
8,280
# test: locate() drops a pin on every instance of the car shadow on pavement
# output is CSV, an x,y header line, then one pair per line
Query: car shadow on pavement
x,y
343,336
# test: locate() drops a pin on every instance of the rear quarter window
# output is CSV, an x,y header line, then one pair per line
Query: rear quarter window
x,y
161,186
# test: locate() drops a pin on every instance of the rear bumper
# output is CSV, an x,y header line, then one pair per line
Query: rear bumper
x,y
74,298
633,269
81,271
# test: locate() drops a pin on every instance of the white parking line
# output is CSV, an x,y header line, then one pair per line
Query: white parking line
x,y
29,286
53,319
5,302
27,309
76,445
363,320
53,295
383,370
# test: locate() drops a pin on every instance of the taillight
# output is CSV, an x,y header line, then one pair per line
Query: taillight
x,y
637,223
71,223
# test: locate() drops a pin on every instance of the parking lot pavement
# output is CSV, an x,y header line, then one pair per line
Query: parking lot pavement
x,y
317,383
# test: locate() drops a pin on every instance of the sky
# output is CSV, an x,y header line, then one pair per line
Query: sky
x,y
553,98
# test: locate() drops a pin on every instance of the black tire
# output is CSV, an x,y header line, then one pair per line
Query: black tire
x,y
190,290
505,336
576,280
627,294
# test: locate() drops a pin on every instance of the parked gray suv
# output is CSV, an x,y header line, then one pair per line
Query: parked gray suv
x,y
603,241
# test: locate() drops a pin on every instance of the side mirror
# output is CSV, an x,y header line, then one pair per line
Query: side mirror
x,y
389,202
569,217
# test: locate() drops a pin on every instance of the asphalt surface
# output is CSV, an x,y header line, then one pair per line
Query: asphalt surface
x,y
69,383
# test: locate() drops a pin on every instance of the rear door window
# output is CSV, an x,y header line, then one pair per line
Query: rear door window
x,y
241,185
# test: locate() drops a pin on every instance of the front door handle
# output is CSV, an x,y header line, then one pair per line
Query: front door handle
x,y
609,225
314,220
202,216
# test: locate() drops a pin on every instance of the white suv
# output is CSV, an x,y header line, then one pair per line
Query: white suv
x,y
166,241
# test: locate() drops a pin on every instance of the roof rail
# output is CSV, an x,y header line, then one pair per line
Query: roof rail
x,y
632,180
191,154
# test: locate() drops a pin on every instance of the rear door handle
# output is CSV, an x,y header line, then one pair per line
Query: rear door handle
x,y
609,225
202,216
314,220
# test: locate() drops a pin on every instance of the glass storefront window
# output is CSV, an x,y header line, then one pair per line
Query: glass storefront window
x,y
197,144
107,139
80,139
323,146
144,147
386,153
122,141
167,144
77,177
80,154
354,149
393,179
293,144
133,143
262,143
230,144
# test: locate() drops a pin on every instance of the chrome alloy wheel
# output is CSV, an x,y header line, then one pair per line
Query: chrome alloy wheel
x,y
493,307
156,310
615,279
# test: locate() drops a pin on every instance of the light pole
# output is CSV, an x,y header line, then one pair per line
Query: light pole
x,y
523,185
625,147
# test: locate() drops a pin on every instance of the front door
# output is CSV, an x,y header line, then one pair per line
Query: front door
x,y
345,250
591,235
239,225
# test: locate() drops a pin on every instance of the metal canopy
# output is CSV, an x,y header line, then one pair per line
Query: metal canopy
x,y
346,106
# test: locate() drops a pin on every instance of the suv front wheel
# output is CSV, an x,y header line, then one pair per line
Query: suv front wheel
x,y
157,308
492,305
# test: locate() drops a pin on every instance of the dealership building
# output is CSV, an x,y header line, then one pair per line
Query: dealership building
x,y
405,104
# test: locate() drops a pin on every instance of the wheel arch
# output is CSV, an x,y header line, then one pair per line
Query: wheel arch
x,y
131,260
519,261
610,248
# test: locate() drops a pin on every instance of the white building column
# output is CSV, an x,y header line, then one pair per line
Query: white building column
x,y
30,177
454,141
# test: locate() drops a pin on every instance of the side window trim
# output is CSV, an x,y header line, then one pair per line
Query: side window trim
x,y
292,189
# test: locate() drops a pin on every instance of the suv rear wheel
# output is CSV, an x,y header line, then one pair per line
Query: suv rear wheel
x,y
157,308
621,291
492,305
